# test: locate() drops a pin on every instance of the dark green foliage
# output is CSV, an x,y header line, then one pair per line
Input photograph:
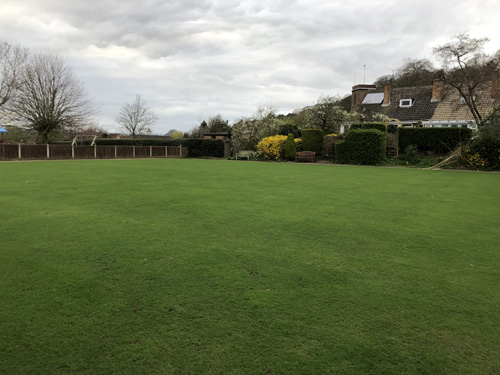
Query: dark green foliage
x,y
489,150
361,147
290,150
286,129
328,151
411,153
439,140
312,140
198,147
392,128
370,125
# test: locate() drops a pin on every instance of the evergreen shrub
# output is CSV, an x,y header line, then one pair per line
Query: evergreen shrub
x,y
312,140
370,125
439,140
290,148
361,147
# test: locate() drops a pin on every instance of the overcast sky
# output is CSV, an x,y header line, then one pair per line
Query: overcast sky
x,y
194,59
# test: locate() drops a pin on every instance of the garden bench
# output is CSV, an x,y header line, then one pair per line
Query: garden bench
x,y
306,155
244,154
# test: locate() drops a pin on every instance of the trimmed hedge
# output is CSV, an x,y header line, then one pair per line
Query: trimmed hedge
x,y
312,140
439,140
290,149
361,147
370,125
198,147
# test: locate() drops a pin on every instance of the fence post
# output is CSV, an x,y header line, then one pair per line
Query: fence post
x,y
180,150
72,151
115,151
19,150
48,151
95,151
166,151
150,151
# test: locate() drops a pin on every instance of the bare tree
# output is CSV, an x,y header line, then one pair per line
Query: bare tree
x,y
50,99
12,59
467,68
136,118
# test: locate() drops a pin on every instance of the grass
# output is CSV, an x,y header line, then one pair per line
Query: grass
x,y
220,267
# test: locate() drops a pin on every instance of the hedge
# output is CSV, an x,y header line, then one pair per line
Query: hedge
x,y
198,147
439,140
361,147
312,140
370,125
290,148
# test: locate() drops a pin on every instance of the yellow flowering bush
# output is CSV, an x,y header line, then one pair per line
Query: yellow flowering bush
x,y
272,148
477,161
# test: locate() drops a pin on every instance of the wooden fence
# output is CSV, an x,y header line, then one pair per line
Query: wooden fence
x,y
34,152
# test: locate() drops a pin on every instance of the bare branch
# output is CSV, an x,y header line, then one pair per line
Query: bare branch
x,y
136,118
50,99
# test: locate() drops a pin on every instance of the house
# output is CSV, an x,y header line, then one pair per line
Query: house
x,y
436,105
218,135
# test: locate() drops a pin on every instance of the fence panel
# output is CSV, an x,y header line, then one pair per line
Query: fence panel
x,y
60,152
124,152
158,151
173,151
105,152
34,151
84,152
9,152
142,151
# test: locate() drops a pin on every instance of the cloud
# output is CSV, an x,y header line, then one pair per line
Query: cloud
x,y
194,59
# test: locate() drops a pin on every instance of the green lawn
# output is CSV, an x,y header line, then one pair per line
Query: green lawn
x,y
223,267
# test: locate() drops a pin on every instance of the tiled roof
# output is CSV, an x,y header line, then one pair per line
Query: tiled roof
x,y
451,108
421,110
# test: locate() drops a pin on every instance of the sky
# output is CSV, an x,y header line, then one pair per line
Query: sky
x,y
192,60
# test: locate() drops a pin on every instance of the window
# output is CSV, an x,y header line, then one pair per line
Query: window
x,y
462,99
406,103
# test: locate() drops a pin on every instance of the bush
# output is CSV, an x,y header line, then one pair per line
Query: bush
x,y
290,149
439,140
410,154
328,150
361,147
484,153
286,129
272,148
312,140
370,125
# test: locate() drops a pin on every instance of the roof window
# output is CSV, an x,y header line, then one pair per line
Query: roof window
x,y
406,103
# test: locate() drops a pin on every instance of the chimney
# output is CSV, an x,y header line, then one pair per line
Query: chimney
x,y
437,89
387,95
495,87
358,94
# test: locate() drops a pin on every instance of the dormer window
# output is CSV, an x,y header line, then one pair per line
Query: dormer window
x,y
403,103
462,99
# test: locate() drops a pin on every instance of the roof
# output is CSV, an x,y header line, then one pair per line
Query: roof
x,y
449,108
422,108
452,108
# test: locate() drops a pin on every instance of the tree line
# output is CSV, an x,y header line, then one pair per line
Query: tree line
x,y
40,93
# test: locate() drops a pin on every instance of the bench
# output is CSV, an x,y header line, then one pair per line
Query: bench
x,y
306,155
244,154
